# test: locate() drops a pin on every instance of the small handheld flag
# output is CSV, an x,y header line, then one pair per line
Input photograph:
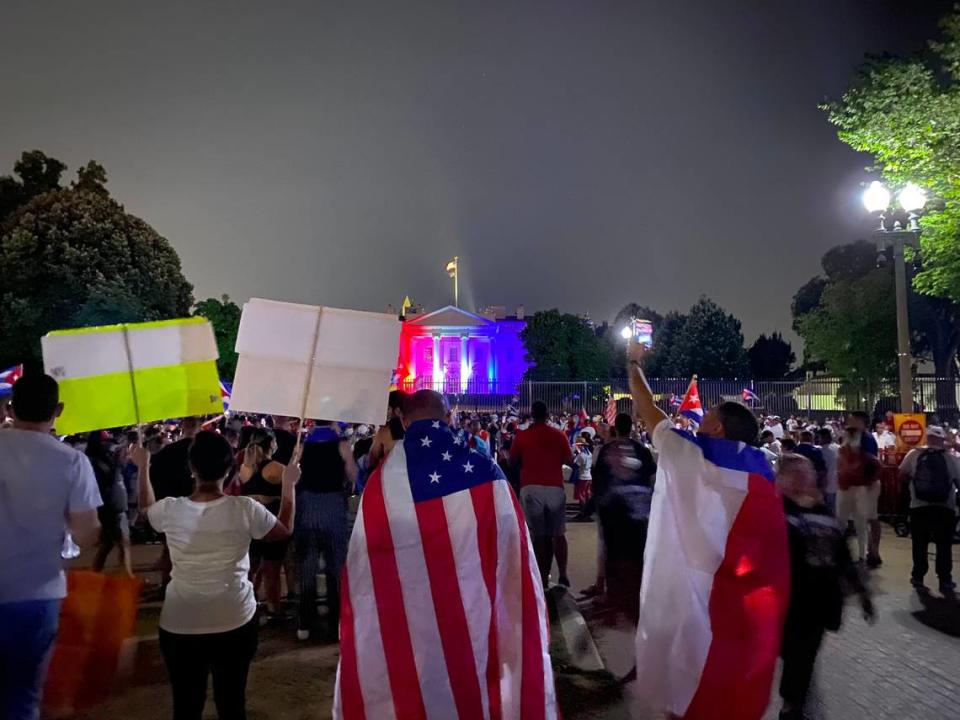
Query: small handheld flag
x,y
8,377
610,414
691,407
749,396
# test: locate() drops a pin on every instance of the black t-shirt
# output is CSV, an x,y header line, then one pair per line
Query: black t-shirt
x,y
170,470
286,442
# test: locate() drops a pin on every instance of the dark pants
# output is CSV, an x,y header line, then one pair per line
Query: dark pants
x,y
625,539
27,632
191,658
322,528
935,524
801,643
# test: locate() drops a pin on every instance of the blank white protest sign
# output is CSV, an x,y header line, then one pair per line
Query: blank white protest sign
x,y
348,367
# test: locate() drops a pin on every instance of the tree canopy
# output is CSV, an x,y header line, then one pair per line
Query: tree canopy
x,y
73,257
906,114
224,315
709,343
561,346
770,356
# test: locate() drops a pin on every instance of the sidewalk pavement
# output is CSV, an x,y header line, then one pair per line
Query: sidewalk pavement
x,y
905,667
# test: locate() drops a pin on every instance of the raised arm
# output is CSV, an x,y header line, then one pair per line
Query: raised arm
x,y
141,458
288,498
644,407
349,464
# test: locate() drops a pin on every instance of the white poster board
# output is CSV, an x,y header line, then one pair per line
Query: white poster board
x,y
316,362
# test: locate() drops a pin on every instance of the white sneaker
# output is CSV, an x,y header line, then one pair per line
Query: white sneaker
x,y
303,634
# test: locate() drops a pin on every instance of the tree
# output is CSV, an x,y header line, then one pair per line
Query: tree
x,y
854,330
934,322
770,357
224,315
906,114
72,256
709,343
662,358
563,347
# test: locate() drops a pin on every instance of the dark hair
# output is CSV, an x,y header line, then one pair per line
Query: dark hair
x,y
623,424
246,432
539,411
395,401
35,398
738,422
806,436
788,445
825,435
211,456
765,434
861,415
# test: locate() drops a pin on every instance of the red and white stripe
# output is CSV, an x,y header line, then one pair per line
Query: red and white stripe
x,y
443,614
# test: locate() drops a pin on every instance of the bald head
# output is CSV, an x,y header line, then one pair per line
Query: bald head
x,y
424,405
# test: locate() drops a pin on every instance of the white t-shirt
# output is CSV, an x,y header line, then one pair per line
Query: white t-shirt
x,y
209,590
41,480
830,455
777,430
886,439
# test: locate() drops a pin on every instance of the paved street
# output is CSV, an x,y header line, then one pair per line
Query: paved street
x,y
900,668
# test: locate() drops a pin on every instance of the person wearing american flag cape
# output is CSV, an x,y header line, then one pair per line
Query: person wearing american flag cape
x,y
442,606
716,575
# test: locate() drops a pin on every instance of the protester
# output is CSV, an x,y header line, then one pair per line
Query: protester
x,y
261,478
858,473
884,437
540,452
932,477
820,568
583,462
442,612
716,544
114,525
46,489
624,481
328,472
391,433
208,620
814,454
829,448
770,447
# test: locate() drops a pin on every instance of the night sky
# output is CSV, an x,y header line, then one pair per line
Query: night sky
x,y
575,155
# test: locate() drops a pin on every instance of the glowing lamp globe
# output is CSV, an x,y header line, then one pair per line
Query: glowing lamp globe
x,y
876,198
912,198
626,333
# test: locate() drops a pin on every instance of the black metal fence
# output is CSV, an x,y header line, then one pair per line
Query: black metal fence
x,y
815,397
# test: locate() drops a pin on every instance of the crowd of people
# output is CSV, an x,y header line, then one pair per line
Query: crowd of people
x,y
247,506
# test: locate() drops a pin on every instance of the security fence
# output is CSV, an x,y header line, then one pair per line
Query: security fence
x,y
816,397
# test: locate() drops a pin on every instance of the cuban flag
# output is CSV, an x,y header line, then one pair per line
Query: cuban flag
x,y
225,393
8,377
716,580
749,396
690,406
442,607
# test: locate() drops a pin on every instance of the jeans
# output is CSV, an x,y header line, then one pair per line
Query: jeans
x,y
321,528
933,523
27,633
191,658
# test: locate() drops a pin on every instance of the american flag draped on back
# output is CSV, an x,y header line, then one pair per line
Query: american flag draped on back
x,y
443,614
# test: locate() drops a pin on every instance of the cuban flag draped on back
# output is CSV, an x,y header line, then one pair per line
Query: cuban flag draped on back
x,y
442,607
716,580
8,377
690,406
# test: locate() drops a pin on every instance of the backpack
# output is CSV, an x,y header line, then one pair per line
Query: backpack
x,y
931,480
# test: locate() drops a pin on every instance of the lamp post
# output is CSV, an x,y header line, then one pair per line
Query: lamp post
x,y
876,198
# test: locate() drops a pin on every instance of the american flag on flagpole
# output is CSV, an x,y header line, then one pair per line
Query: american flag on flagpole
x,y
610,414
442,607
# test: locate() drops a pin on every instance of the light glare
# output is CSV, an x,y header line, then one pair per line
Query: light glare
x,y
626,333
912,198
876,198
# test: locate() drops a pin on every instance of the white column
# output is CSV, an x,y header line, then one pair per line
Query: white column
x,y
437,380
464,363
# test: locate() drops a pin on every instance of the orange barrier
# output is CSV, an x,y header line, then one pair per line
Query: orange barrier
x,y
97,618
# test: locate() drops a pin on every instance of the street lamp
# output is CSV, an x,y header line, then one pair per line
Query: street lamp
x,y
876,199
626,333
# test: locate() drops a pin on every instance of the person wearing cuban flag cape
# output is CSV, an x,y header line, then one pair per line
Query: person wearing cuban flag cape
x,y
716,577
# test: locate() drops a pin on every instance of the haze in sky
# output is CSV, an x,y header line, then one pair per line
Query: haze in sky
x,y
578,155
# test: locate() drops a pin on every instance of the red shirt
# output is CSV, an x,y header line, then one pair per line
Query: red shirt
x,y
542,451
